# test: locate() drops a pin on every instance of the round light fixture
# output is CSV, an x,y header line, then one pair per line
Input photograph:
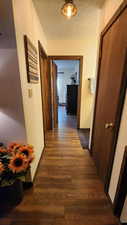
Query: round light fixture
x,y
69,9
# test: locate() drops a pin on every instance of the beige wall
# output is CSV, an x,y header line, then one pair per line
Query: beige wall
x,y
88,49
27,22
62,81
12,125
108,10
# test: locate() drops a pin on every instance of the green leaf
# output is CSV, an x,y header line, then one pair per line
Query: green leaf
x,y
22,178
6,183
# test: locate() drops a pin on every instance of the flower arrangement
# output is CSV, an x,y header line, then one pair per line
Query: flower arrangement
x,y
15,161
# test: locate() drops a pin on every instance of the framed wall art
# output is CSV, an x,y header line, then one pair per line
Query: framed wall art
x,y
31,61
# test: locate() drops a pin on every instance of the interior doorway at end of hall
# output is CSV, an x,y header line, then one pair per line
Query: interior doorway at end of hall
x,y
67,71
68,80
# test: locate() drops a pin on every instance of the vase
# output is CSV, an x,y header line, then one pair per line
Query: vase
x,y
28,180
11,196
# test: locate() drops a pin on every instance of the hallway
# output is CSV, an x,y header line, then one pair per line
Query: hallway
x,y
71,59
67,190
64,120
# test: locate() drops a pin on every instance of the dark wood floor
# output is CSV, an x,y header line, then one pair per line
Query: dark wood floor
x,y
64,120
67,190
70,121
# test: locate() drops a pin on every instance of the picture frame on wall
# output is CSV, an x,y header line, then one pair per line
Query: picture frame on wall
x,y
31,61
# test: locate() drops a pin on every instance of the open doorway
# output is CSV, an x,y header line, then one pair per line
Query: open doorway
x,y
68,78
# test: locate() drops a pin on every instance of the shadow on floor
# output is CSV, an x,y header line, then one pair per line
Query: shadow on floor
x,y
84,135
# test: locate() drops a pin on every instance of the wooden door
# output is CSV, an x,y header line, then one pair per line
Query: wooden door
x,y
45,89
108,98
54,94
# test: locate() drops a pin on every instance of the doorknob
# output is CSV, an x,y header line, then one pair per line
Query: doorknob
x,y
109,125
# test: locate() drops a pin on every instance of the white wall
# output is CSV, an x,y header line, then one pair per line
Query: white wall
x,y
109,8
12,125
62,81
123,218
69,68
27,22
88,48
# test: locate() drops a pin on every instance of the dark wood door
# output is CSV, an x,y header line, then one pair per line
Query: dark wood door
x,y
46,90
54,94
111,75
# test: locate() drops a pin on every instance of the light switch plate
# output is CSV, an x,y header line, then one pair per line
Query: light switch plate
x,y
30,93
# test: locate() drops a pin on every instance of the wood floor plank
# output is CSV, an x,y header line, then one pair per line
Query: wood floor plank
x,y
67,190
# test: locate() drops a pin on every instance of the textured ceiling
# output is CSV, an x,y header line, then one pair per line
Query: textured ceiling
x,y
67,64
56,26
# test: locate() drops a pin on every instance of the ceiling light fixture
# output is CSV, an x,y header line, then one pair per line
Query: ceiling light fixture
x,y
69,9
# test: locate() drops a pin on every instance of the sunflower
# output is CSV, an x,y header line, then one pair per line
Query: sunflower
x,y
3,150
13,147
1,167
18,163
16,147
27,151
31,159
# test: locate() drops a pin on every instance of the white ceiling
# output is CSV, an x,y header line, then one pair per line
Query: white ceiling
x,y
57,27
7,37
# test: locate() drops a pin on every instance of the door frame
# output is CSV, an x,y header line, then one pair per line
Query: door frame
x,y
43,55
122,7
53,92
80,58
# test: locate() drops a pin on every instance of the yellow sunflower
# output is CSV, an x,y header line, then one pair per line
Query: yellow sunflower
x,y
18,163
27,151
31,159
3,150
1,167
16,147
13,147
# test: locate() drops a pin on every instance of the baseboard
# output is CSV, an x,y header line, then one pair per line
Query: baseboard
x,y
42,155
110,201
29,181
84,129
112,206
84,137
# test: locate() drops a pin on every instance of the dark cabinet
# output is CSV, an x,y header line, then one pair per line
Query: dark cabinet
x,y
72,97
